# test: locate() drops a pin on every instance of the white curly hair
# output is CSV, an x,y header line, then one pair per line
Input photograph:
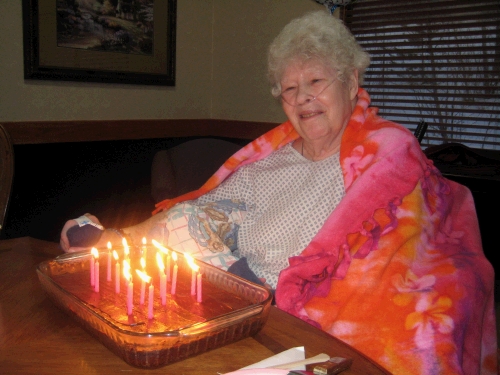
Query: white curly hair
x,y
316,35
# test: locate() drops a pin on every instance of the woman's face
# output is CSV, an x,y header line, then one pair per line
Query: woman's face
x,y
320,120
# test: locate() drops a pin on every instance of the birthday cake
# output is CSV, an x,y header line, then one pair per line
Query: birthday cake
x,y
180,311
230,309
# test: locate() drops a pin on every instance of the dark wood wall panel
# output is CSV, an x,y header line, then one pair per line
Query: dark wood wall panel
x,y
37,132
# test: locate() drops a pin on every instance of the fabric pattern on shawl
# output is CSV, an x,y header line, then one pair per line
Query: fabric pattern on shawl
x,y
397,270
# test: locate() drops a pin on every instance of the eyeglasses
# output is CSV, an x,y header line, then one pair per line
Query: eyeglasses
x,y
302,94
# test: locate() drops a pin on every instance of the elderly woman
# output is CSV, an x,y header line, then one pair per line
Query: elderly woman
x,y
342,214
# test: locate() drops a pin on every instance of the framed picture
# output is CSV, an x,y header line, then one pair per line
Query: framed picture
x,y
111,41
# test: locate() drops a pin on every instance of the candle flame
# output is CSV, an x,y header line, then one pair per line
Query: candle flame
x,y
144,276
160,247
94,252
159,260
126,270
144,240
174,256
143,262
115,255
109,246
126,249
191,263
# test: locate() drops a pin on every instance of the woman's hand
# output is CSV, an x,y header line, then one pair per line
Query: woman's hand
x,y
64,241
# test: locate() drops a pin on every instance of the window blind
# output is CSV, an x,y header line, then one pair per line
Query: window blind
x,y
436,61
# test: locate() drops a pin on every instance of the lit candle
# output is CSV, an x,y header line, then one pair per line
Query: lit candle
x,y
109,261
126,249
144,247
150,301
163,279
164,250
146,279
95,254
92,266
130,287
143,282
199,296
117,272
193,266
174,276
168,267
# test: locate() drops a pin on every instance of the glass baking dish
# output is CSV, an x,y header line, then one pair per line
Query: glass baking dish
x,y
137,341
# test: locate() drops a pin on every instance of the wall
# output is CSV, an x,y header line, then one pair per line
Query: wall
x,y
221,52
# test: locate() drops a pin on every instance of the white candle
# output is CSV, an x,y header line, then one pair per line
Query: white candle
x,y
109,262
117,273
199,295
150,301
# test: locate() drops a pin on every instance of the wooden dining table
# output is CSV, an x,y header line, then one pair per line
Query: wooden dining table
x,y
38,338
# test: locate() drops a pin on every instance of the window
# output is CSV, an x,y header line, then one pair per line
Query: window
x,y
436,61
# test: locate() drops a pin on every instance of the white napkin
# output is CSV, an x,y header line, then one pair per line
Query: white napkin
x,y
290,355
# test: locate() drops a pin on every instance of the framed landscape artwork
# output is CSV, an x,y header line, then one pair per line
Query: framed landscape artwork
x,y
110,41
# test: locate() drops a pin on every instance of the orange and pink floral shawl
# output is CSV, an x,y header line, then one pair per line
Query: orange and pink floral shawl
x,y
397,270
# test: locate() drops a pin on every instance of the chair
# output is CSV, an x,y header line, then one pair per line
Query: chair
x,y
187,166
6,173
420,130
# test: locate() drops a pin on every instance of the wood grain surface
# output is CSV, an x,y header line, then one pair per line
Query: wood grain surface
x,y
38,338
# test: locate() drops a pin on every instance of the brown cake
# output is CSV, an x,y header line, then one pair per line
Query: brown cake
x,y
181,310
231,309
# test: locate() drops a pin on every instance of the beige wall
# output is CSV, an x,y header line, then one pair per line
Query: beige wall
x,y
220,69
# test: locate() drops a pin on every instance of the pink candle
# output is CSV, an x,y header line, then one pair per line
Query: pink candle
x,y
150,301
199,296
92,268
117,272
163,289
130,286
109,262
163,279
163,250
168,267
130,296
193,282
143,292
190,262
96,276
117,280
143,283
174,279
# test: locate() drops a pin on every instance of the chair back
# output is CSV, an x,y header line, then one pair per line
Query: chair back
x,y
187,166
420,131
6,173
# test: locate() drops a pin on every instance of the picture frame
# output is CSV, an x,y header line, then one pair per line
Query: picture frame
x,y
107,41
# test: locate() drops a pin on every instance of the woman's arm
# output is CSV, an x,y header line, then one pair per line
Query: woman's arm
x,y
134,233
